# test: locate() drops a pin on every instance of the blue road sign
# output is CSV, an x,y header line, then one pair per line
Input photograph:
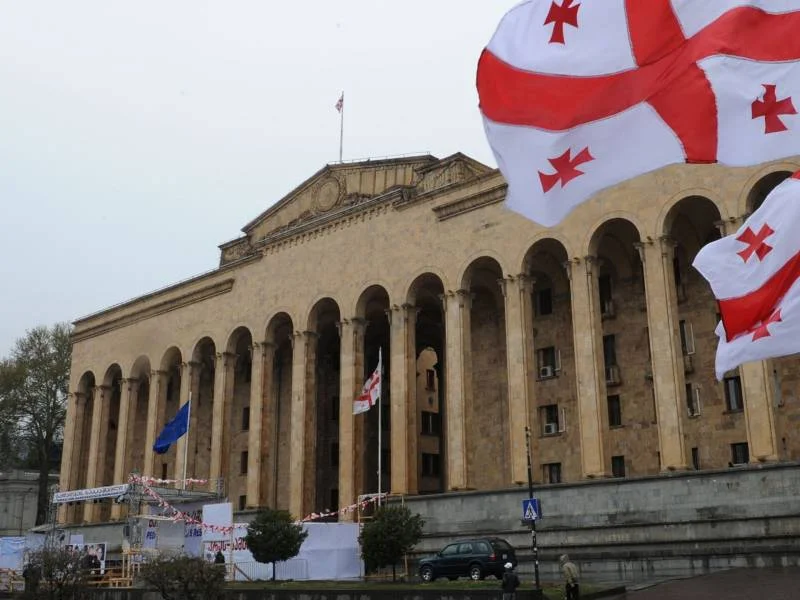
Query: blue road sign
x,y
531,510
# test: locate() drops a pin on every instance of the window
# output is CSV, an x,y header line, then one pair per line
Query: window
x,y
431,423
609,350
551,472
334,454
245,418
163,470
676,270
733,393
618,466
740,453
551,423
696,459
334,505
451,549
242,502
465,548
543,302
604,284
334,408
243,463
548,361
430,379
431,465
687,338
692,400
614,411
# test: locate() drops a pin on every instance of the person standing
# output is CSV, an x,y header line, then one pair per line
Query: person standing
x,y
510,582
570,574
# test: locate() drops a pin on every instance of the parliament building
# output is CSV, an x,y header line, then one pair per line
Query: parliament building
x,y
597,334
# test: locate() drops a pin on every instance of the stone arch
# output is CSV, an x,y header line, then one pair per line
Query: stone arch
x,y
140,373
486,406
427,277
167,401
602,225
205,361
113,373
552,240
236,413
322,305
430,456
84,403
667,214
372,296
276,417
761,188
479,260
109,395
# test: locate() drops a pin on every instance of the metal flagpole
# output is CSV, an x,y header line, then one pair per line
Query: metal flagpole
x,y
380,427
341,128
186,444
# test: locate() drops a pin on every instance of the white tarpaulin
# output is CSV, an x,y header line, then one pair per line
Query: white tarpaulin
x,y
12,552
217,517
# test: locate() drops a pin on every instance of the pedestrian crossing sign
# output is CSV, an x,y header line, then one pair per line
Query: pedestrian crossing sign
x,y
531,510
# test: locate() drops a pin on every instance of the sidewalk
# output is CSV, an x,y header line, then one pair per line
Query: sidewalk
x,y
736,584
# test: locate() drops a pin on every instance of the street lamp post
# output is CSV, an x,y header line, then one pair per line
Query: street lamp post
x,y
534,546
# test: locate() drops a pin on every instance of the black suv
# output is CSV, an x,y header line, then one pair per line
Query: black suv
x,y
469,558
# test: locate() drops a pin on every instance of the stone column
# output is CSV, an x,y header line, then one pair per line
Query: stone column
x,y
403,397
458,384
188,390
101,397
758,392
262,354
665,349
519,350
351,334
66,479
220,437
301,384
270,426
157,390
589,366
129,388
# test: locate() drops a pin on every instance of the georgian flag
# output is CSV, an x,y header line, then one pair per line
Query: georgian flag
x,y
371,392
755,276
579,96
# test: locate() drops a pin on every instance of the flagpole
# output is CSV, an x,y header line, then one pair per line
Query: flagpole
x,y
341,129
186,444
380,428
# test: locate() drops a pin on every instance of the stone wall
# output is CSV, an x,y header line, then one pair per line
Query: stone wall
x,y
636,529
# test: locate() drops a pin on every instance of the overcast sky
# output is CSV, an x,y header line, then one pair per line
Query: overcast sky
x,y
137,136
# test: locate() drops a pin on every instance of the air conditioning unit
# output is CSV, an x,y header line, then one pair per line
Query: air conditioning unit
x,y
608,312
545,372
612,375
688,364
550,428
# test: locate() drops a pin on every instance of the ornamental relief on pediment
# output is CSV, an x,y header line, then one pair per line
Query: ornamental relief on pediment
x,y
328,193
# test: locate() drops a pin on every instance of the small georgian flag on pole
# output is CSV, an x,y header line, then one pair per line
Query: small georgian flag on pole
x,y
340,103
371,392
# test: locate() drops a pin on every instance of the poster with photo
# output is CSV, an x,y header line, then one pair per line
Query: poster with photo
x,y
94,555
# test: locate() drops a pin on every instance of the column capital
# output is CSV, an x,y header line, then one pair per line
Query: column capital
x,y
263,346
668,245
304,335
157,373
642,246
591,263
462,296
101,389
130,383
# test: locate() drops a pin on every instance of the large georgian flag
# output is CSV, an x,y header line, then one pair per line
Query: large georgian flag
x,y
579,96
755,276
371,392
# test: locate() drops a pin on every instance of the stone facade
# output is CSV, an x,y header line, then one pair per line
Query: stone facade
x,y
596,334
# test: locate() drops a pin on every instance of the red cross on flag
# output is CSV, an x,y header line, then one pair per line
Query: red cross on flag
x,y
371,392
579,96
755,276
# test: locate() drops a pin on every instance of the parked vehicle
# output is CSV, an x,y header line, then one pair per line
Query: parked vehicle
x,y
475,559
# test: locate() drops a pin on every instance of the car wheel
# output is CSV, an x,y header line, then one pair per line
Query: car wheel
x,y
475,573
426,573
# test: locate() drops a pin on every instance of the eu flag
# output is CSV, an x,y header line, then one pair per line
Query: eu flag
x,y
173,430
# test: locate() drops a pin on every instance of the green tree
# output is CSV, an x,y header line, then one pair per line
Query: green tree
x,y
274,536
389,536
33,401
55,573
184,578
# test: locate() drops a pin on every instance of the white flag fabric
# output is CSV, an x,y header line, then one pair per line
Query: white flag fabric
x,y
754,275
371,392
579,96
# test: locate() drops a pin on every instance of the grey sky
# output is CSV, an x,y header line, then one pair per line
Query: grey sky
x,y
136,136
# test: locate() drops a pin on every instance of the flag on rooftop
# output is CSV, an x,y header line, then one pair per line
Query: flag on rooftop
x,y
755,276
580,96
340,103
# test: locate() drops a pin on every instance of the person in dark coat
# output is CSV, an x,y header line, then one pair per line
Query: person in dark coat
x,y
509,583
219,558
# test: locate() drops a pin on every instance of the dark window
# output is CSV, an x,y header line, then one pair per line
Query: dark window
x,y
430,379
452,548
696,459
733,393
609,350
543,302
740,453
334,454
243,463
163,470
614,411
431,423
604,283
242,502
431,465
676,270
549,418
547,361
335,408
618,466
551,472
245,418
334,499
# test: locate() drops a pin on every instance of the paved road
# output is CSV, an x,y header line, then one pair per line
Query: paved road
x,y
736,584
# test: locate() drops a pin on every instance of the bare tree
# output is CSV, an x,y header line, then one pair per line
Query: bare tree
x,y
33,400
